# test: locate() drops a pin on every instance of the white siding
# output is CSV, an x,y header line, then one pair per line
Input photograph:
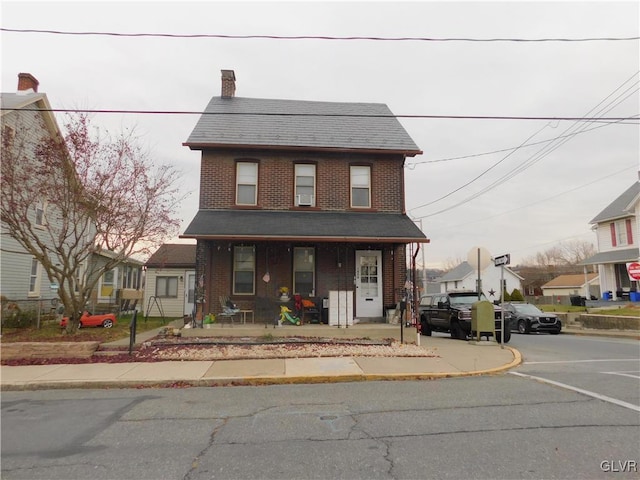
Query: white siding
x,y
172,307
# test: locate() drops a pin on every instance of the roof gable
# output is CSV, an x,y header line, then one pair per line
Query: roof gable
x,y
309,125
567,281
621,206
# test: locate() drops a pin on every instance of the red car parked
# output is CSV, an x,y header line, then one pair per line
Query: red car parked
x,y
107,320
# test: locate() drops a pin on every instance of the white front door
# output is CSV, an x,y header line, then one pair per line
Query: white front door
x,y
189,292
369,283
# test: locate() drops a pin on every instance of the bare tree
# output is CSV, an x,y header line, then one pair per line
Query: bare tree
x,y
562,255
102,193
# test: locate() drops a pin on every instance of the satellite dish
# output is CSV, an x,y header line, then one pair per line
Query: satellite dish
x,y
485,258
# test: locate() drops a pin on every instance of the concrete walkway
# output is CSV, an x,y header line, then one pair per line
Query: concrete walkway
x,y
449,358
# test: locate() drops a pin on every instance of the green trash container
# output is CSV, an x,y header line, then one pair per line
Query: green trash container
x,y
482,319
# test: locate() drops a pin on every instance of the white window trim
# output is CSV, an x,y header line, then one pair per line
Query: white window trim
x,y
36,276
352,185
300,199
107,298
255,184
253,270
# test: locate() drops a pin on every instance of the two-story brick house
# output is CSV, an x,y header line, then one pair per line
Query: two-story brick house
x,y
304,195
617,230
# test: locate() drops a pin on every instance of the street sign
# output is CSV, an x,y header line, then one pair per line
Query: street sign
x,y
634,270
502,260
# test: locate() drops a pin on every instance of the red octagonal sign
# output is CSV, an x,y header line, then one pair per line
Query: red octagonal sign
x,y
634,270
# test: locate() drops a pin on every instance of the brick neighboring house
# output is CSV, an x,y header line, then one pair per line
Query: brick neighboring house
x,y
305,195
617,230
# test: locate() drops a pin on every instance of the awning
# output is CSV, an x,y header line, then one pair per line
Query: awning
x,y
318,226
614,256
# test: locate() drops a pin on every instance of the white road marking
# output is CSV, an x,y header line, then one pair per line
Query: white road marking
x,y
584,361
625,374
604,398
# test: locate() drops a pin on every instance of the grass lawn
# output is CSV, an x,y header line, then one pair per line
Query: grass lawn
x,y
50,331
629,310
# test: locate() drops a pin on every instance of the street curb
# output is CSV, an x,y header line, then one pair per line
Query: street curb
x,y
602,333
262,381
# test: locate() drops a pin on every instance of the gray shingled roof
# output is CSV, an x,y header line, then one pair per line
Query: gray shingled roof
x,y
301,225
460,272
18,100
230,122
619,207
613,256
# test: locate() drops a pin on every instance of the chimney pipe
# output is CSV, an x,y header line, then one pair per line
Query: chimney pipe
x,y
228,84
26,81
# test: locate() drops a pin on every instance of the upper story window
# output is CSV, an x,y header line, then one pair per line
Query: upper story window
x,y
305,185
40,209
361,187
246,183
621,233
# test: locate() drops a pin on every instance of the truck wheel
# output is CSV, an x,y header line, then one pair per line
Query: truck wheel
x,y
425,329
457,332
507,336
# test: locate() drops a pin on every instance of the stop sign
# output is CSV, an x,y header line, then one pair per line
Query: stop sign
x,y
634,270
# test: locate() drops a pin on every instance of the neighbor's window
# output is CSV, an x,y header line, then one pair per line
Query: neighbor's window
x,y
108,283
40,214
167,287
621,233
303,271
130,277
244,264
247,183
34,278
361,187
305,185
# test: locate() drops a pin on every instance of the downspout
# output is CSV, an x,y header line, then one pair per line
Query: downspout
x,y
416,301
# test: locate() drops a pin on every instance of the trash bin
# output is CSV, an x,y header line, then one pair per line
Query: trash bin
x,y
606,296
634,296
577,301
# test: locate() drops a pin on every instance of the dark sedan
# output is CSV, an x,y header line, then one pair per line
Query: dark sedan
x,y
527,318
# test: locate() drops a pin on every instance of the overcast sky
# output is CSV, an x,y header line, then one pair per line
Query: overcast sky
x,y
471,187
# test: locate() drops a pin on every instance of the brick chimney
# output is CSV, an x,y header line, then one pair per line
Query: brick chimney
x,y
26,81
228,84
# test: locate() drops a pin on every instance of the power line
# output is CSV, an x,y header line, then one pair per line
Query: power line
x,y
412,165
634,118
317,37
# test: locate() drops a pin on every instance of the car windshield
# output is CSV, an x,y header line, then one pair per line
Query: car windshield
x,y
465,299
527,308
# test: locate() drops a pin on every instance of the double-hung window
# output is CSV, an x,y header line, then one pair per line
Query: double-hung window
x,y
246,183
303,271
361,187
244,265
34,278
305,185
621,233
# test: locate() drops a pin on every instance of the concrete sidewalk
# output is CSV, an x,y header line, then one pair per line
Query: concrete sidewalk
x,y
450,358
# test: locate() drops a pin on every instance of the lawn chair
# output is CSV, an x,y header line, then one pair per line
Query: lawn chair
x,y
229,309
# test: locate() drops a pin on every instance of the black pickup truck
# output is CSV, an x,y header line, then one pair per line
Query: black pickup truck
x,y
451,312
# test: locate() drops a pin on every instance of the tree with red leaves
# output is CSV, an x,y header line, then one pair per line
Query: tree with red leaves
x,y
103,194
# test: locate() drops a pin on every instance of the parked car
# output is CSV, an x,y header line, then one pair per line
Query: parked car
x,y
106,320
526,318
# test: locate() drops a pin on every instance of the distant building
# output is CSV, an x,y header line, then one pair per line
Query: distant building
x,y
617,231
465,277
573,285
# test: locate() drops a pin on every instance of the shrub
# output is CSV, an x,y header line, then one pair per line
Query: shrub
x,y
506,297
516,296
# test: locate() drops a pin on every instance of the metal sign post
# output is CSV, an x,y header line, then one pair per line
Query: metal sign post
x,y
501,261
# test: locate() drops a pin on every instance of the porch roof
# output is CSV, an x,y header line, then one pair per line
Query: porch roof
x,y
351,227
614,256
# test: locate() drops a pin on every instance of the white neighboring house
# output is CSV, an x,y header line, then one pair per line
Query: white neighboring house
x,y
464,277
170,281
22,276
572,285
617,231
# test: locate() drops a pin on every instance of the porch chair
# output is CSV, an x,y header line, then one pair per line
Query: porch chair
x,y
229,309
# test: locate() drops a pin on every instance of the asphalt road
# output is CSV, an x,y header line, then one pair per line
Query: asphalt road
x,y
506,426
